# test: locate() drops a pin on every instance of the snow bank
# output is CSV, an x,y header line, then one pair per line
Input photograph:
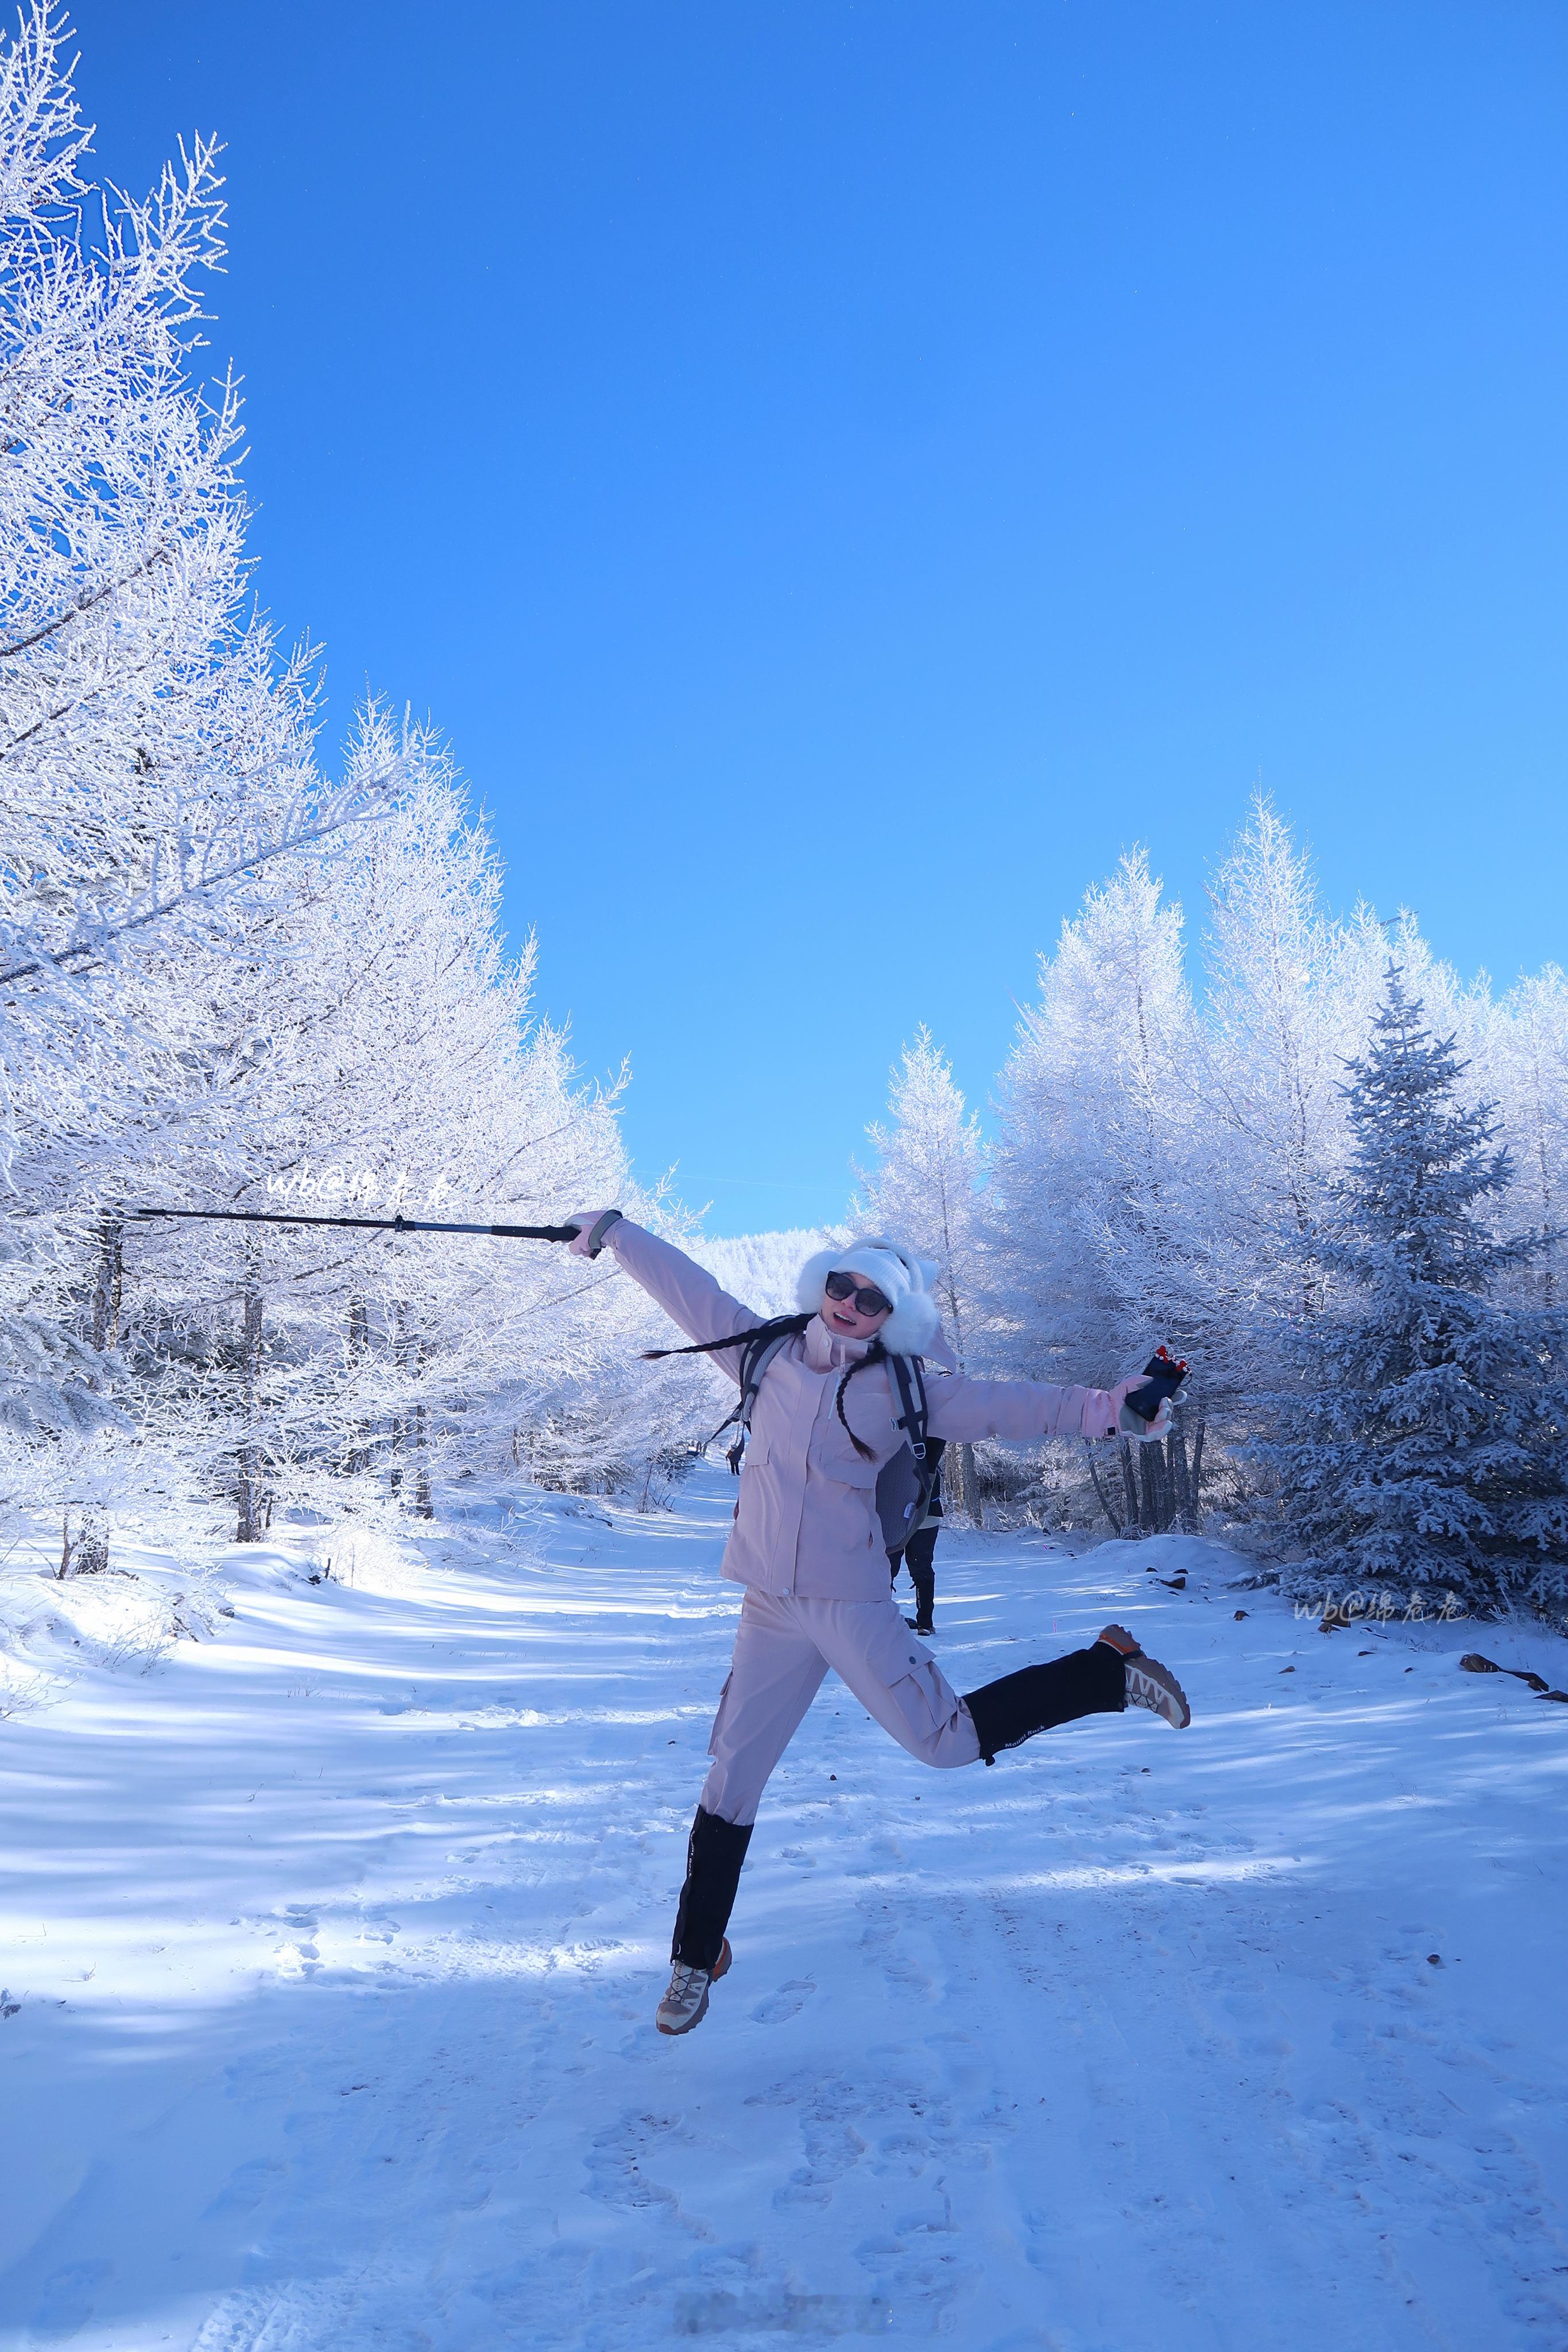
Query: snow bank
x,y
122,1618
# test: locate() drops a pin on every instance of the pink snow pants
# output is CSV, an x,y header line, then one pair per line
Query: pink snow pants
x,y
782,1652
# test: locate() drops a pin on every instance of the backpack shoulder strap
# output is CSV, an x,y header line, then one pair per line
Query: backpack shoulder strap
x,y
904,1487
915,1410
759,1354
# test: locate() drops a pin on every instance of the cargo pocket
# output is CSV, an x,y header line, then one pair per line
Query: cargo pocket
x,y
719,1716
917,1691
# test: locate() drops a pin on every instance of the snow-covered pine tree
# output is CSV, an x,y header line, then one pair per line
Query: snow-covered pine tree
x,y
1428,1453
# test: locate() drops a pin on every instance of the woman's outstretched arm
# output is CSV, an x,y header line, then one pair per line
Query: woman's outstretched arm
x,y
1022,1410
687,1293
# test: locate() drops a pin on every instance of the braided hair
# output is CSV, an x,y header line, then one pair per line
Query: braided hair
x,y
782,1327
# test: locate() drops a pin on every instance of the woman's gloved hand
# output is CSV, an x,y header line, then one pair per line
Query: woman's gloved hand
x,y
592,1227
1128,1423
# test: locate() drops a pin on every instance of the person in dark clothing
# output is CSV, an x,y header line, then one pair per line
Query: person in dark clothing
x,y
918,1554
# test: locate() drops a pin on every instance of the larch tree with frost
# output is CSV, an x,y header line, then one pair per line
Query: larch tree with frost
x,y
924,1190
1088,1234
380,1056
1095,1214
216,982
1522,1053
1428,1453
1288,996
154,753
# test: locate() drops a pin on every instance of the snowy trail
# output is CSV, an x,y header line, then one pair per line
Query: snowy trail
x,y
332,1947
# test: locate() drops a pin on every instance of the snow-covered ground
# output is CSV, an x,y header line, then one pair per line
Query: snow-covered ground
x,y
332,1943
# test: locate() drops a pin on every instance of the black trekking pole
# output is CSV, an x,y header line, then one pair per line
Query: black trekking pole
x,y
398,1225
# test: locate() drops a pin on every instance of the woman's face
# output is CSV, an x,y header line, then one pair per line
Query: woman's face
x,y
846,1318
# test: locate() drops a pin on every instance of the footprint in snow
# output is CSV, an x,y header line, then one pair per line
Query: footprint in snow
x,y
244,2188
788,2001
65,2301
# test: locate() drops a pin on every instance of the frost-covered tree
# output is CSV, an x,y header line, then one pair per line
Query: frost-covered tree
x,y
153,748
375,1053
1094,1232
1425,1454
1522,1053
1288,996
217,985
924,1190
761,1268
924,1187
155,755
1086,1240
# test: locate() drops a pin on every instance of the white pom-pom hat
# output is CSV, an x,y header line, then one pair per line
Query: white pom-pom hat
x,y
897,1273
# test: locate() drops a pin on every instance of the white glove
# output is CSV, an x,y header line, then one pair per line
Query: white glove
x,y
593,1226
1128,1423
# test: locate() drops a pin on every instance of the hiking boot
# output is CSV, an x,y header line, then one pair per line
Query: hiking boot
x,y
916,1626
685,2003
1149,1684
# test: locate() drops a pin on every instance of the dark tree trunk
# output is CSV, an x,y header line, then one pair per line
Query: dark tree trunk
x,y
411,1453
1129,1481
960,1490
1185,1473
359,1453
1178,1474
423,1505
85,1553
1198,1477
248,1529
107,1286
1119,1525
1149,1498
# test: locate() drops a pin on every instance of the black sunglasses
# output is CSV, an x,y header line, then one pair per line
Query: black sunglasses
x,y
870,1300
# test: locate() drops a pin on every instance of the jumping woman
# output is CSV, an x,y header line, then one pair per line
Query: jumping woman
x,y
809,1549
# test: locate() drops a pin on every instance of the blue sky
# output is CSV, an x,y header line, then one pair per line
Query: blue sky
x,y
839,473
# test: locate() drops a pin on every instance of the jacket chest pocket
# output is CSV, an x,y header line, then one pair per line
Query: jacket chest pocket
x,y
844,1475
832,1456
754,1460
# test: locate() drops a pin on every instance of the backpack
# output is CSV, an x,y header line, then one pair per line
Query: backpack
x,y
906,1479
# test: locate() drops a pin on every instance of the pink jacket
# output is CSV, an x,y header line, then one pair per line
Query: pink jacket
x,y
805,1520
